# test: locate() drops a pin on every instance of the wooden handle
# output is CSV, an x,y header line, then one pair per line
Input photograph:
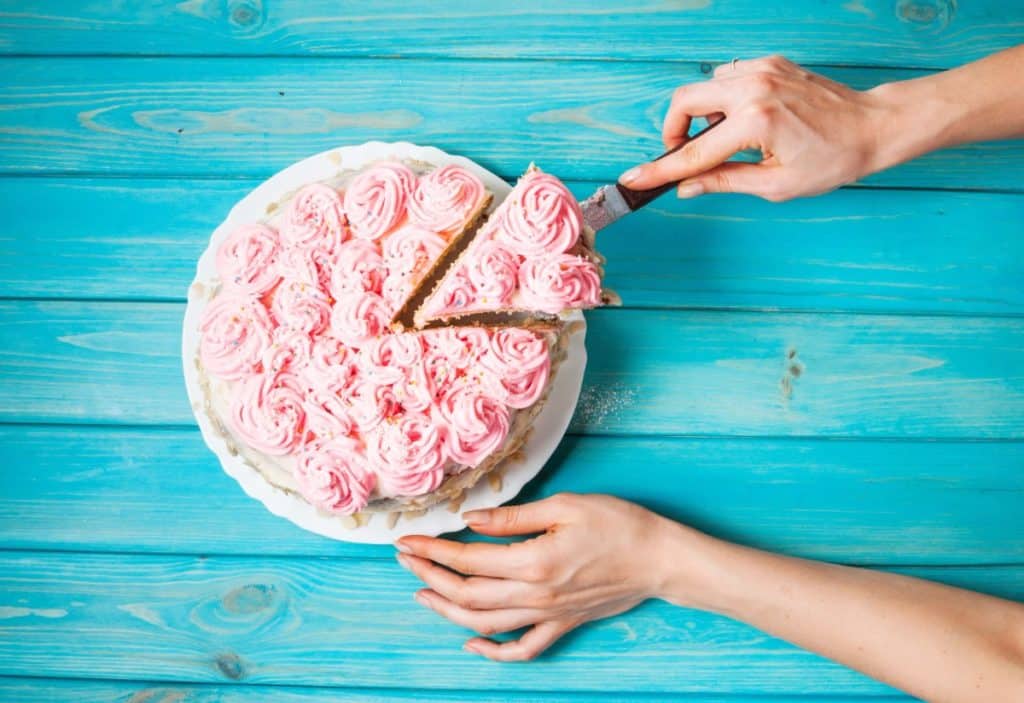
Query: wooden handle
x,y
636,199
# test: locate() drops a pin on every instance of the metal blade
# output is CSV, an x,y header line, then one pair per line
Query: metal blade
x,y
604,207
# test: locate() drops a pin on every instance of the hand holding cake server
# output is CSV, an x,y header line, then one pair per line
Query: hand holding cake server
x,y
594,556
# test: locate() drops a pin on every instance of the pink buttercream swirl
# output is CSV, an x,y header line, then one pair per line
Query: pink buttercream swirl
x,y
371,403
358,268
327,415
409,455
444,198
267,413
461,346
358,318
540,217
311,266
376,199
334,477
315,218
235,334
395,289
477,423
456,294
558,282
411,250
301,306
290,349
518,363
246,261
492,268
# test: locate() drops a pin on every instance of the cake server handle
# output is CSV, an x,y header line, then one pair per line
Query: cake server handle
x,y
636,199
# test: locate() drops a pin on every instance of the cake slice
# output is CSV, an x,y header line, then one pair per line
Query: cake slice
x,y
532,260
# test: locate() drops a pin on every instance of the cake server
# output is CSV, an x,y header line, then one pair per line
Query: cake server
x,y
611,202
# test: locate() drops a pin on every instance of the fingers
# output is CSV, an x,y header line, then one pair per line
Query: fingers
x,y
533,642
500,560
696,99
517,519
699,155
755,179
485,622
475,592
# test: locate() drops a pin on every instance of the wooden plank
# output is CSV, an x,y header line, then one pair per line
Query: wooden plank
x,y
579,120
117,489
937,33
344,622
852,250
650,372
26,690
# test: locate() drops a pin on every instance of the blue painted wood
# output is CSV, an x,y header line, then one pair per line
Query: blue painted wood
x,y
117,489
853,250
331,622
25,690
578,120
877,32
649,372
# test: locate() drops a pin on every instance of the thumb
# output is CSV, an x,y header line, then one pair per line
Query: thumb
x,y
735,177
514,519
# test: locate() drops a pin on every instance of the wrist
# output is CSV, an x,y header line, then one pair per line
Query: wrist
x,y
908,119
690,569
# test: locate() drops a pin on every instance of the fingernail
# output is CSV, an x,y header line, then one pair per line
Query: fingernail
x,y
403,547
630,176
420,598
477,517
471,648
689,190
403,561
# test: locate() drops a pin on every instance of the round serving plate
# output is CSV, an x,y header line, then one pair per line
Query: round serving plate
x,y
549,426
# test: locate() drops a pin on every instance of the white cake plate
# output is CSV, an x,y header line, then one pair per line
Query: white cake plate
x,y
549,427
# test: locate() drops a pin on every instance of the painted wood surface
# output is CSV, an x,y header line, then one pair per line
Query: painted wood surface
x,y
330,622
857,502
852,250
85,691
685,372
578,120
933,33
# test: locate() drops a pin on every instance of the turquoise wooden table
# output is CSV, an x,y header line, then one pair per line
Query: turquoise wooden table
x,y
839,378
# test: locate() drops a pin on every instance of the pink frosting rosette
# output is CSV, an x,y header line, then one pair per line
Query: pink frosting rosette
x,y
540,217
375,200
395,289
460,345
477,423
409,455
267,413
311,266
559,282
315,217
334,477
290,349
371,403
358,268
445,197
234,335
455,294
411,250
357,318
302,307
492,268
247,260
518,364
327,415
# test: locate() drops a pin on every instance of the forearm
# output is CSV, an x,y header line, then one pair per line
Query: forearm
x,y
934,641
979,101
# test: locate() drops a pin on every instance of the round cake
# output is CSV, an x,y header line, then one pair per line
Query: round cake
x,y
327,363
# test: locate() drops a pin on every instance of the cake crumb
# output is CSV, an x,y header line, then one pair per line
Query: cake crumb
x,y
495,479
393,519
455,502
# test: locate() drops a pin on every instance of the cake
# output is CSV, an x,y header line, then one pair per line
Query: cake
x,y
311,378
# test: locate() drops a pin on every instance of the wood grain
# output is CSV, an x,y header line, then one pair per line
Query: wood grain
x,y
852,250
933,33
329,622
857,502
649,372
26,690
578,120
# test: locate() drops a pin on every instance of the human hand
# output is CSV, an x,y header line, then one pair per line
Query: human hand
x,y
814,134
595,556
